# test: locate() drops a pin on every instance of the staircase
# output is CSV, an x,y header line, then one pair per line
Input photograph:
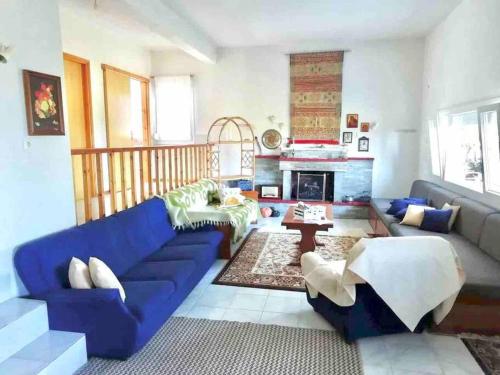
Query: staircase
x,y
27,346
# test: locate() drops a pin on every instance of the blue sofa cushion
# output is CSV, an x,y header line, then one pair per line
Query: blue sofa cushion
x,y
200,253
43,263
436,220
140,236
195,238
107,242
177,271
144,297
397,205
159,221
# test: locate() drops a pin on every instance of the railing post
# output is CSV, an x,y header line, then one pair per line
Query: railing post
x,y
164,168
157,171
170,174
100,194
123,182
141,175
133,198
112,177
87,207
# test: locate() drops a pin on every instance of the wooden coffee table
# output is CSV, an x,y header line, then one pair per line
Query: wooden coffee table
x,y
308,230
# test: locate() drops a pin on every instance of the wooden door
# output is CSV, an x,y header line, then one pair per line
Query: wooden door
x,y
79,113
126,104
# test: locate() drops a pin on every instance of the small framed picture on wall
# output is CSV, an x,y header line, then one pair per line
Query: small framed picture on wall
x,y
352,121
365,127
363,144
43,98
347,137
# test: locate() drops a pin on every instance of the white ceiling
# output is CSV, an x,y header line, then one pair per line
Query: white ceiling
x,y
235,23
110,15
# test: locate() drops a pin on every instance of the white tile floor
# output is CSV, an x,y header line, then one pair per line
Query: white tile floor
x,y
402,354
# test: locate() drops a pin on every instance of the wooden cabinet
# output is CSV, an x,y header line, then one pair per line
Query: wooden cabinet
x,y
251,195
378,226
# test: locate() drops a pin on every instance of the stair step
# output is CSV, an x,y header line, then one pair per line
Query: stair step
x,y
21,321
53,353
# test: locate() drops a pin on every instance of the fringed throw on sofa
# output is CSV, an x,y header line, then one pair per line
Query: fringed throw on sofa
x,y
197,204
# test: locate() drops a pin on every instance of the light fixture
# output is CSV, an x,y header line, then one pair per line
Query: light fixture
x,y
5,52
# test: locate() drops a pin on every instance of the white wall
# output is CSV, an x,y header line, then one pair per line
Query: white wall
x,y
87,39
462,64
381,82
35,183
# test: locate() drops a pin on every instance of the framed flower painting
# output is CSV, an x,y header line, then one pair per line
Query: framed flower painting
x,y
43,98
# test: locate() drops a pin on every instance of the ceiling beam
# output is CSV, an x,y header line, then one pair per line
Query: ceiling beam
x,y
163,20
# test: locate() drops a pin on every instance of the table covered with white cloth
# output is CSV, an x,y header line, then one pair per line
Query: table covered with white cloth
x,y
412,275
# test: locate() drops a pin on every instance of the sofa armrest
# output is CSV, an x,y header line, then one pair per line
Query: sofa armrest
x,y
110,328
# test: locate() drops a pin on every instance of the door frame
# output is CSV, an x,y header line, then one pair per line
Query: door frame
x,y
87,97
87,109
146,123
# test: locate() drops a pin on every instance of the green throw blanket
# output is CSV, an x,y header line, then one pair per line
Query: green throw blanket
x,y
197,204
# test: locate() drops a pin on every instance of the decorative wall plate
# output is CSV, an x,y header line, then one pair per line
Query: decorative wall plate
x,y
271,139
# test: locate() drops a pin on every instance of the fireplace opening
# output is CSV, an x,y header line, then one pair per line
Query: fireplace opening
x,y
312,186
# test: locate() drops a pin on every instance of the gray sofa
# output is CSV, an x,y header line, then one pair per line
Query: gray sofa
x,y
475,236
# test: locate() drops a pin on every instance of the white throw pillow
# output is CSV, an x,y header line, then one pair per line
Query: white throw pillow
x,y
415,215
230,196
103,277
454,214
79,275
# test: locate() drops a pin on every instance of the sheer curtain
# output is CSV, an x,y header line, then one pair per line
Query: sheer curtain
x,y
174,109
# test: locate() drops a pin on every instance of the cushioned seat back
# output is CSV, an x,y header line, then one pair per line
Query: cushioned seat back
x,y
135,223
471,218
420,189
438,196
43,264
490,236
107,241
159,221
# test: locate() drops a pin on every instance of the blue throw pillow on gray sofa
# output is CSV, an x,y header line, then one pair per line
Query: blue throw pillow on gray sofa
x,y
436,220
400,205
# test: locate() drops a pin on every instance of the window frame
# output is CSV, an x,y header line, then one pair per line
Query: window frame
x,y
484,150
479,107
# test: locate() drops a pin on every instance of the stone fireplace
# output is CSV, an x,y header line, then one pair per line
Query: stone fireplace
x,y
344,177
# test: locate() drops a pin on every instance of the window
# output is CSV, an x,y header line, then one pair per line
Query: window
x,y
174,109
434,144
490,126
465,147
463,163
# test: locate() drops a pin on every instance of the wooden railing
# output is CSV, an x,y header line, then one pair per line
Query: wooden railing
x,y
108,180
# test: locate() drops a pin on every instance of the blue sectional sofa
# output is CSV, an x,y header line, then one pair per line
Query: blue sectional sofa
x,y
156,265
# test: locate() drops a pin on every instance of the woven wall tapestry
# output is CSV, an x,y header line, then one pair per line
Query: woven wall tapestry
x,y
316,95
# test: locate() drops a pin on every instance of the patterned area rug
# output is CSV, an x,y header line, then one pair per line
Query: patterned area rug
x,y
209,347
486,351
271,260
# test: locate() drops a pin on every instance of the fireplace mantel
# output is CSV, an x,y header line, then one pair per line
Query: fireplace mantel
x,y
317,165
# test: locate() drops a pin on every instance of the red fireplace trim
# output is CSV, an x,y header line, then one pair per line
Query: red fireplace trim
x,y
339,160
291,201
267,157
316,141
278,157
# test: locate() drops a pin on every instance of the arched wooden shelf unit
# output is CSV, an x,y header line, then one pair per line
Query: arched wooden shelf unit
x,y
245,139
